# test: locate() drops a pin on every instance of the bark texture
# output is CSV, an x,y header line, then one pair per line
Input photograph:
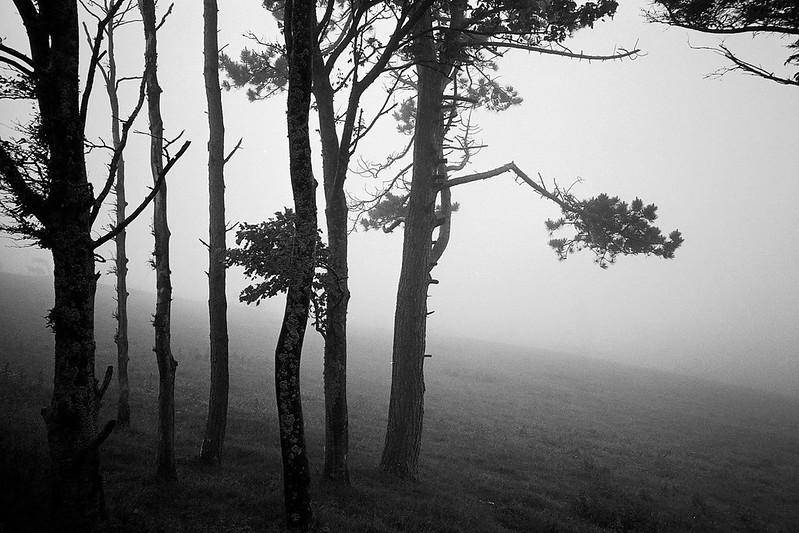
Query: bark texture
x,y
121,260
299,34
166,468
406,405
71,418
211,450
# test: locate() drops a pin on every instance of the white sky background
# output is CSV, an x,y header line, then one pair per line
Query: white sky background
x,y
718,156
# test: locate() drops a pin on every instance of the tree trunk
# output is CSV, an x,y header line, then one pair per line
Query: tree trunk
x,y
335,160
166,468
211,450
406,406
121,261
71,419
299,34
335,378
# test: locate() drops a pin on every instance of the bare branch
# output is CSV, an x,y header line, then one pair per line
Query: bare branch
x,y
170,142
564,53
104,434
233,151
508,167
28,71
163,19
109,372
391,227
442,239
751,68
161,178
115,159
95,58
16,65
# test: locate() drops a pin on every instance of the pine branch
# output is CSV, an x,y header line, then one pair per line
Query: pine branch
x,y
29,200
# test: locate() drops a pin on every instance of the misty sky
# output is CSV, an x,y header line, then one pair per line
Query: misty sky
x,y
718,156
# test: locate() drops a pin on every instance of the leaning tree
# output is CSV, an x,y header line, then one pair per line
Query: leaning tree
x,y
730,17
47,194
453,48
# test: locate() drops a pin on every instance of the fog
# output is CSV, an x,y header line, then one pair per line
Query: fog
x,y
717,155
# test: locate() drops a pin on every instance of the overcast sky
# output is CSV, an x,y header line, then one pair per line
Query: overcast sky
x,y
718,156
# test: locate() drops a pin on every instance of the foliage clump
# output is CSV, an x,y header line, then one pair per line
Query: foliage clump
x,y
265,250
610,226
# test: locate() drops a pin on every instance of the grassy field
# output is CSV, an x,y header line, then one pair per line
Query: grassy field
x,y
513,441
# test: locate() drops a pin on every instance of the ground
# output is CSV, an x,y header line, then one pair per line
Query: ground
x,y
514,440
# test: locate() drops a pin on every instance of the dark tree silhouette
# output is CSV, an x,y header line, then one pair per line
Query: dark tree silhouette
x,y
165,466
728,17
299,36
49,199
211,450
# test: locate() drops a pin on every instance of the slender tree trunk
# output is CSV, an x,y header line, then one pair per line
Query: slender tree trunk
x,y
335,160
167,365
71,419
335,378
211,450
121,261
299,34
406,406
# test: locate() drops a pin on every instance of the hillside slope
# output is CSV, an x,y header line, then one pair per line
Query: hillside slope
x,y
514,440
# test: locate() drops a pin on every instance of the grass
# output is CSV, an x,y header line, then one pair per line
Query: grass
x,y
513,441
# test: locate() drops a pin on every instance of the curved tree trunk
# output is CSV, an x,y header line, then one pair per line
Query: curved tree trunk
x,y
299,34
166,468
406,406
211,450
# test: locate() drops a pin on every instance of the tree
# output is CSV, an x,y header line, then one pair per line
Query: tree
x,y
109,73
48,197
166,466
342,27
299,37
211,450
451,40
728,17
